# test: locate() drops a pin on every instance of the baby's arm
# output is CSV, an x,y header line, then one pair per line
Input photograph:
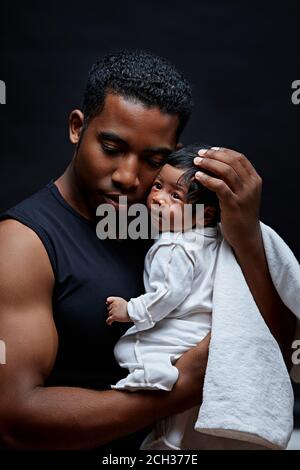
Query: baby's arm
x,y
170,279
117,310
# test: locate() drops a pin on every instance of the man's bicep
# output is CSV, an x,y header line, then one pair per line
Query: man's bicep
x,y
26,323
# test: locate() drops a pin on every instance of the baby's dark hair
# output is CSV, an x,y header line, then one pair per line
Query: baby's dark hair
x,y
197,193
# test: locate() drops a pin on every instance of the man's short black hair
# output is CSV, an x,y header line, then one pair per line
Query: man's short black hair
x,y
142,76
197,193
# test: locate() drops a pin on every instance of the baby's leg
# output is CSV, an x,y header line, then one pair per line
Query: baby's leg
x,y
169,433
159,370
149,368
174,429
125,353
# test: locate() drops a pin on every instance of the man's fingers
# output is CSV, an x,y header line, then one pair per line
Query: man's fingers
x,y
109,300
236,160
223,170
214,184
109,320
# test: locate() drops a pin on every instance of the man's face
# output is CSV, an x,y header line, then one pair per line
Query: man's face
x,y
121,150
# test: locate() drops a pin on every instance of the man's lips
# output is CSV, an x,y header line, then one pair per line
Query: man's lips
x,y
114,199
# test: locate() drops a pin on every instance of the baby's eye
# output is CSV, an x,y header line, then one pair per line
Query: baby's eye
x,y
176,196
157,185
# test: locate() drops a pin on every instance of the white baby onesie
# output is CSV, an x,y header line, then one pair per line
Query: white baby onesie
x,y
175,312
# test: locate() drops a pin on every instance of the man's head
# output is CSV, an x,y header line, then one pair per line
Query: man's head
x,y
134,109
139,76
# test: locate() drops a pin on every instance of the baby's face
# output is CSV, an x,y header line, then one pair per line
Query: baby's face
x,y
167,198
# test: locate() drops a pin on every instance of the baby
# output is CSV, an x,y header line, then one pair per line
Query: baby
x,y
175,312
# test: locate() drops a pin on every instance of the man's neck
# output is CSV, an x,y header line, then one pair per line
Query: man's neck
x,y
69,190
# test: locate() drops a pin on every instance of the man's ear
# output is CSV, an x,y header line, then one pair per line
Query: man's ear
x,y
209,215
75,125
179,146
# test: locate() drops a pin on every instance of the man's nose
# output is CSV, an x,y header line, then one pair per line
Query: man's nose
x,y
126,175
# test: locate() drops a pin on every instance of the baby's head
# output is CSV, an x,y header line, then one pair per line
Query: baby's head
x,y
176,186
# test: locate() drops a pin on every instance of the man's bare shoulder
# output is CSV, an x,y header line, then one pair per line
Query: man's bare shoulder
x,y
13,228
22,252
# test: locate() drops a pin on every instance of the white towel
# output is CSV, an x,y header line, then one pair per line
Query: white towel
x,y
247,396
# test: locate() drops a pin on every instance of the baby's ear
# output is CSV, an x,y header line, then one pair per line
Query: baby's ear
x,y
209,215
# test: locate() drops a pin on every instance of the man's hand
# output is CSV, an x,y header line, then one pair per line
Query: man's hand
x,y
238,187
117,310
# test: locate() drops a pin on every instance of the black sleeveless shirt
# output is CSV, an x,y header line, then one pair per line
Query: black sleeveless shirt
x,y
87,270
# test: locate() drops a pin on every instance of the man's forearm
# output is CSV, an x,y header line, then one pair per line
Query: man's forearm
x,y
71,418
58,418
280,320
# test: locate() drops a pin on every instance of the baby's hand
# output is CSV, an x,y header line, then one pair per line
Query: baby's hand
x,y
117,310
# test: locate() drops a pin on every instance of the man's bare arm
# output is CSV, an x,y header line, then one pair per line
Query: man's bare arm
x,y
37,417
238,187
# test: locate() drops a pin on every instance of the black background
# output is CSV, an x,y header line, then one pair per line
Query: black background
x,y
241,58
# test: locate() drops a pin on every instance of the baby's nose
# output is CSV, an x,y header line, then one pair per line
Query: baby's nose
x,y
160,201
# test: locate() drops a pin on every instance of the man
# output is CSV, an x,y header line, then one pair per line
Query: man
x,y
55,273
